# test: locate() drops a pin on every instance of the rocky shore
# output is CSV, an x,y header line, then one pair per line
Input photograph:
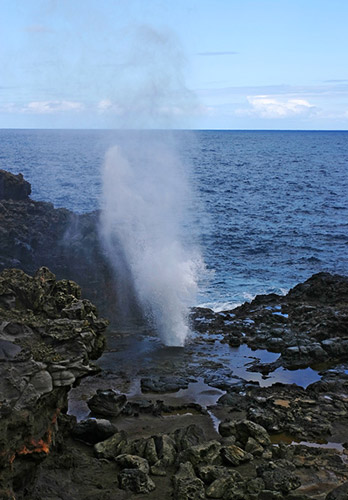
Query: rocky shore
x,y
34,234
48,337
214,419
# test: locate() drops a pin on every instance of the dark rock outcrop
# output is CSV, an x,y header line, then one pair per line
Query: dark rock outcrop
x,y
48,337
13,187
35,234
307,326
107,403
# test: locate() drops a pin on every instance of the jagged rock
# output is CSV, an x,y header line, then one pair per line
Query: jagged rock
x,y
133,462
13,187
246,429
187,486
233,455
209,473
205,453
339,493
111,447
280,479
188,436
93,430
166,450
323,288
163,384
108,403
135,480
34,234
42,354
157,469
220,487
150,452
227,428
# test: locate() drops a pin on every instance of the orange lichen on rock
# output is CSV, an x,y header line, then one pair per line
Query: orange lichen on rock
x,y
37,446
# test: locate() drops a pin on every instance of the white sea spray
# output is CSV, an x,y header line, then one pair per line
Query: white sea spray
x,y
145,198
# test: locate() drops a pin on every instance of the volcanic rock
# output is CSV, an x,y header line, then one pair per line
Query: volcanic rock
x,y
43,353
93,430
107,403
13,187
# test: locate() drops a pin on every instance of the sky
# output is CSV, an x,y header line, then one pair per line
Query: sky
x,y
196,64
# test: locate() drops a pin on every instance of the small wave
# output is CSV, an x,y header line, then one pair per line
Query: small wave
x,y
220,306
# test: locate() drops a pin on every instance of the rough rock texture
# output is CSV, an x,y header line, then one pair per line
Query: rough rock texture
x,y
307,326
93,430
35,234
13,187
48,335
107,403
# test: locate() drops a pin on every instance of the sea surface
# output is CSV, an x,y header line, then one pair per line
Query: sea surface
x,y
270,208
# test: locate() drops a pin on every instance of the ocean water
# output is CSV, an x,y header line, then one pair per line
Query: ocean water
x,y
270,208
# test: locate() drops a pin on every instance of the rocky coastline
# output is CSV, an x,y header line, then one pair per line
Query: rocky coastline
x,y
161,423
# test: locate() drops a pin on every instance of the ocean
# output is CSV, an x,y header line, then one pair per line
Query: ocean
x,y
270,208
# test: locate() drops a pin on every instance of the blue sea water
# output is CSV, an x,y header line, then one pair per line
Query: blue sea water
x,y
271,206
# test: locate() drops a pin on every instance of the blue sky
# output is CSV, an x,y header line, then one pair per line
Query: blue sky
x,y
223,64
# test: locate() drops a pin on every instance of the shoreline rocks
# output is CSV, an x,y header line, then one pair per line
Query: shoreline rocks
x,y
48,337
308,326
35,234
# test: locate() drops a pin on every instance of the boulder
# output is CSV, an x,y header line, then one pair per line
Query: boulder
x,y
135,480
125,461
209,473
205,453
111,447
107,403
187,486
93,430
188,436
233,455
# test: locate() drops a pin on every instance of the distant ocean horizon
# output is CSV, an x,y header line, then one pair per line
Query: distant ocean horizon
x,y
270,207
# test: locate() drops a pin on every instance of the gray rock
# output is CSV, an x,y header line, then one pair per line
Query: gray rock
x,y
220,487
206,453
166,449
188,436
233,455
133,462
13,187
135,480
209,473
93,430
111,447
107,403
339,493
246,429
163,384
187,486
278,478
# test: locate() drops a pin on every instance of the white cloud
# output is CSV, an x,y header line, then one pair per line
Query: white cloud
x,y
271,107
46,107
42,107
107,106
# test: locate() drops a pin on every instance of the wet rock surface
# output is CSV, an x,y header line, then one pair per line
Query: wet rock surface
x,y
264,442
185,424
306,327
48,337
